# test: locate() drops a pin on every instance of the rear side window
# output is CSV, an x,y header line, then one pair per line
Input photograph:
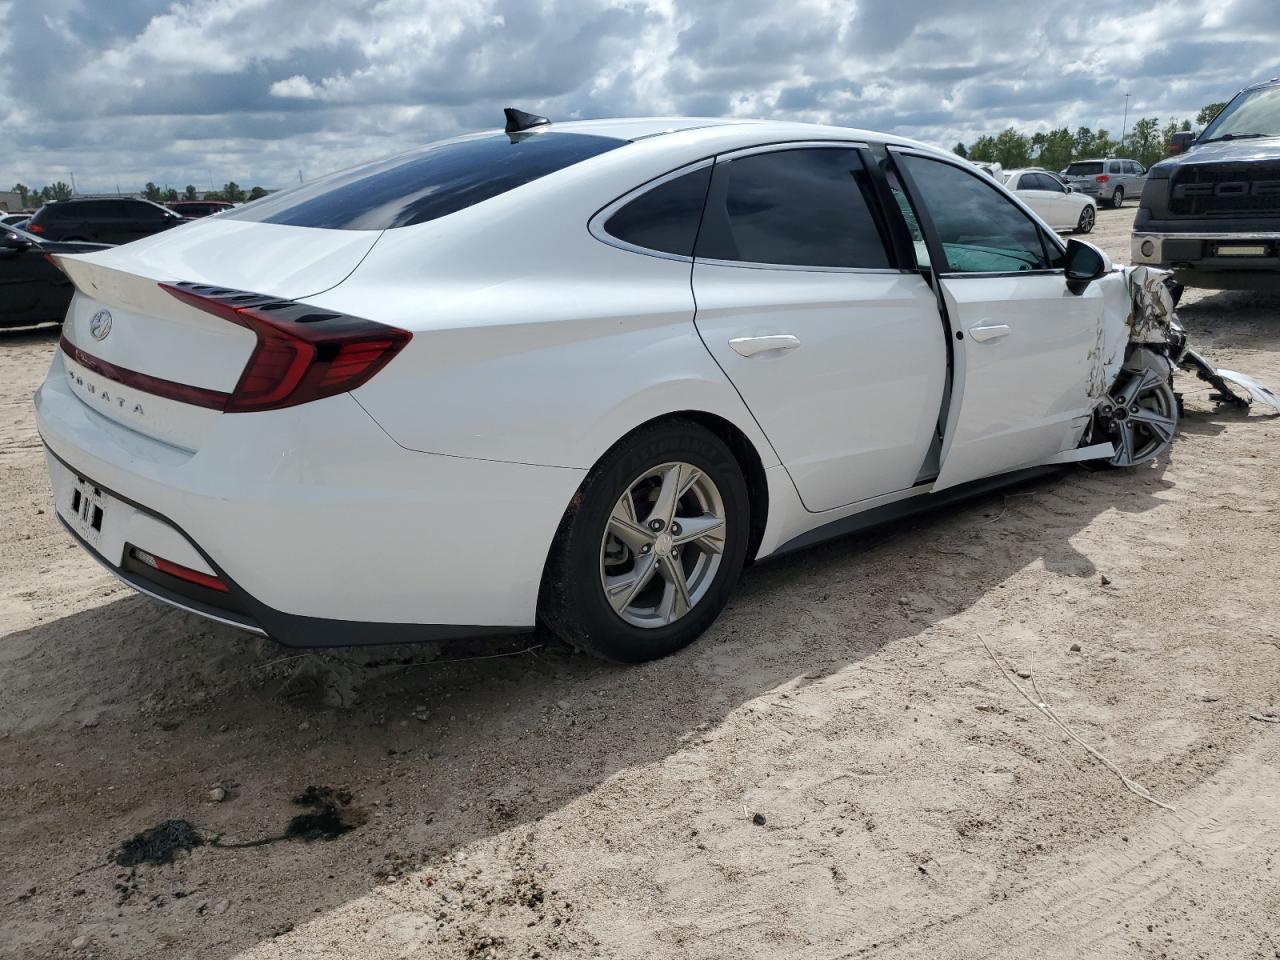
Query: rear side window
x,y
665,218
146,211
430,182
1084,169
804,208
83,209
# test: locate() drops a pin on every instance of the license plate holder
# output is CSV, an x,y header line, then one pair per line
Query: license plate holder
x,y
86,509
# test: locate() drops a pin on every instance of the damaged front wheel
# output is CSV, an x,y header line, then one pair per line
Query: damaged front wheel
x,y
1139,415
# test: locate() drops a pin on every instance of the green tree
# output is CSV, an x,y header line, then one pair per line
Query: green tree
x,y
983,150
57,191
1012,149
151,191
257,193
1207,113
1103,145
1085,145
26,193
1145,143
232,192
960,151
170,195
190,192
1057,149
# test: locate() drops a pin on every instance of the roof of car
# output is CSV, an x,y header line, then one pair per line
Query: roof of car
x,y
641,128
1260,84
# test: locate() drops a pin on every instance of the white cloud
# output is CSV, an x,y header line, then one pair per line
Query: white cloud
x,y
184,91
297,87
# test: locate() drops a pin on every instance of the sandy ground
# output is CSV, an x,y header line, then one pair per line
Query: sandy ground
x,y
546,805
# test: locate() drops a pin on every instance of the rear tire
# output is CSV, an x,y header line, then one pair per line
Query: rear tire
x,y
1117,198
1087,220
642,520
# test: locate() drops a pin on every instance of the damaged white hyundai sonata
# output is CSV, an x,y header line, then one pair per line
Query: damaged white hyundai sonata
x,y
577,373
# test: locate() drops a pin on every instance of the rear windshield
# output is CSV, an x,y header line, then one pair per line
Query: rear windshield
x,y
1084,169
430,182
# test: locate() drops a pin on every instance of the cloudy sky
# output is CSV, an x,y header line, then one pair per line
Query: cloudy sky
x,y
200,91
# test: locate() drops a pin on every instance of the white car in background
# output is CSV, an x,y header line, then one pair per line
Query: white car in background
x,y
573,373
1053,201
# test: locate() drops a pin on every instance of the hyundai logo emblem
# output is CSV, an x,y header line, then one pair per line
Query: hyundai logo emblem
x,y
100,324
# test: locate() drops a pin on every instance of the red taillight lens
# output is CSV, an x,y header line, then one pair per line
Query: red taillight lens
x,y
179,571
34,228
303,353
1102,178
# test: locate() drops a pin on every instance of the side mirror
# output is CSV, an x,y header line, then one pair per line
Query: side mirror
x,y
12,243
1085,263
1181,141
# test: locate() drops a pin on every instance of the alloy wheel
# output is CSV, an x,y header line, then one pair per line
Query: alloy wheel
x,y
1117,198
1140,416
663,545
1087,219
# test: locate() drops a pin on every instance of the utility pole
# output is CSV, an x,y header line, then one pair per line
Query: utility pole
x,y
1125,126
74,191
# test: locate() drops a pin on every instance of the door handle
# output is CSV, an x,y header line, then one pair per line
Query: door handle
x,y
983,332
750,346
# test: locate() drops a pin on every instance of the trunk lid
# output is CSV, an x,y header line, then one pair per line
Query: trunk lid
x,y
123,331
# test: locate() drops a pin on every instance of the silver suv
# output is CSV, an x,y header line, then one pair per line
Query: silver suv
x,y
1110,180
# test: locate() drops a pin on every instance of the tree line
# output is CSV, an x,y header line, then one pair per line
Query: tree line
x,y
1147,143
58,190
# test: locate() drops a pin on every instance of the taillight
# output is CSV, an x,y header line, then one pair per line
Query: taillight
x,y
303,353
179,571
1102,178
34,228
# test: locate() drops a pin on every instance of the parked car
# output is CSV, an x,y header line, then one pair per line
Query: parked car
x,y
1212,212
1110,180
13,219
32,289
112,220
468,383
1056,204
195,209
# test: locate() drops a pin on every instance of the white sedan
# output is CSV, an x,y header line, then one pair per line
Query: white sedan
x,y
1053,201
574,373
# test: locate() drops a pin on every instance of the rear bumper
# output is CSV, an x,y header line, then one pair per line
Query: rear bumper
x,y
324,531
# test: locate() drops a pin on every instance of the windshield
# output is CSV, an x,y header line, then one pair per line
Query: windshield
x,y
1255,113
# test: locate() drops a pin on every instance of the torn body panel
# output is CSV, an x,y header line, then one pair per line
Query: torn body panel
x,y
1140,343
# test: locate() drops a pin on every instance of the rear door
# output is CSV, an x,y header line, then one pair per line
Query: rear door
x,y
836,347
1032,189
1021,340
19,282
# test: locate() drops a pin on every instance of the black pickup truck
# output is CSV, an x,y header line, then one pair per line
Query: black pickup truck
x,y
1212,213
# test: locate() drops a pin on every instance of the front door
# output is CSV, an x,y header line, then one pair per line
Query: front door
x,y
838,351
1021,340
